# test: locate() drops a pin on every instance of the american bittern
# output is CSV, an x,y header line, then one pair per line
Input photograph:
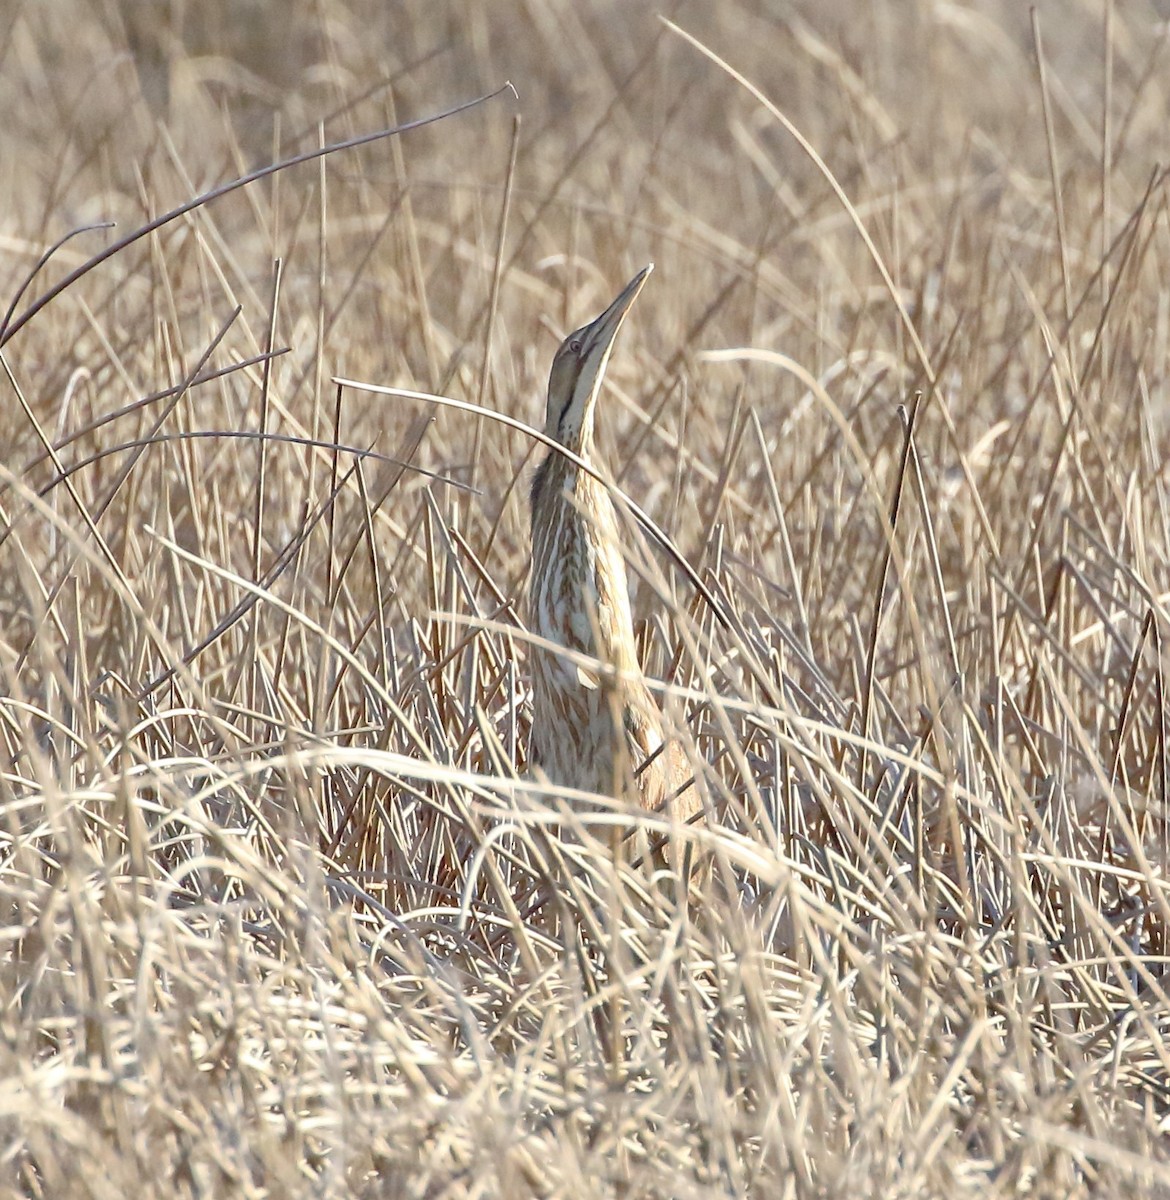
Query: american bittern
x,y
600,731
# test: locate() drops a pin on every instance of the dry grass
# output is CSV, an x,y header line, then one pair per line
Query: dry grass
x,y
277,918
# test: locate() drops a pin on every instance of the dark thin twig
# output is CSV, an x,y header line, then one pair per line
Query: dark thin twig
x,y
12,327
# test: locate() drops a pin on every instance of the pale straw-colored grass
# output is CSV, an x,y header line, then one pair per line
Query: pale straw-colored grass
x,y
281,914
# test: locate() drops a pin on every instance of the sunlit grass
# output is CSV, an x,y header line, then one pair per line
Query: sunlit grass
x,y
283,914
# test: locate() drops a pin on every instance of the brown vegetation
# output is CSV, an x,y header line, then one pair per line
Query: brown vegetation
x,y
281,915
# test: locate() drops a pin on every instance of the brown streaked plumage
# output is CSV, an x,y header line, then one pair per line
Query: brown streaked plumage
x,y
597,731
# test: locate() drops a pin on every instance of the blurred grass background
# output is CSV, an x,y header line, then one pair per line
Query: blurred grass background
x,y
277,919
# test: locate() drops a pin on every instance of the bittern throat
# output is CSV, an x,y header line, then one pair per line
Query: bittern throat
x,y
599,731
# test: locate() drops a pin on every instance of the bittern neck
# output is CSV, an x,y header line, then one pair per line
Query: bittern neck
x,y
548,482
556,472
580,596
575,432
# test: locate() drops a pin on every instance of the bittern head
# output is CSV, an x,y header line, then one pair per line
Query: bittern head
x,y
579,367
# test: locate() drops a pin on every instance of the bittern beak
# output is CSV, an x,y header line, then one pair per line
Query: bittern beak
x,y
599,337
579,368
